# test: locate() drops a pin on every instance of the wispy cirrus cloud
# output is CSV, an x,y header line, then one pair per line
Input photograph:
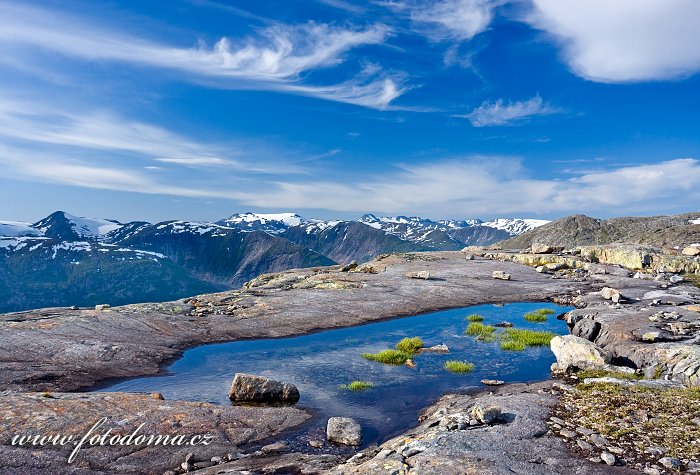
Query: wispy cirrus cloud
x,y
276,59
624,40
501,112
498,186
459,20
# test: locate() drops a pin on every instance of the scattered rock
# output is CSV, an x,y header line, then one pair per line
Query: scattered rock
x,y
315,443
598,440
409,362
553,266
608,458
539,248
540,269
344,431
575,352
498,274
275,448
569,434
584,445
257,389
349,267
675,279
442,348
486,415
157,396
608,293
670,462
692,250
503,325
101,306
492,382
693,308
73,307
469,257
421,274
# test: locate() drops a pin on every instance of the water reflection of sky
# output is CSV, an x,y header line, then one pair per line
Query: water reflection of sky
x,y
318,364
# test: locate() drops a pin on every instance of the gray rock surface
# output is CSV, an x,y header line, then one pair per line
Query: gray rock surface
x,y
344,431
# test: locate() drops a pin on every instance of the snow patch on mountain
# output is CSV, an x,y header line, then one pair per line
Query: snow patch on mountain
x,y
17,229
193,227
515,226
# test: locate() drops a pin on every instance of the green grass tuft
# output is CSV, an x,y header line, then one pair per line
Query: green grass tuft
x,y
525,337
393,357
512,345
357,386
410,345
459,366
475,318
481,331
539,315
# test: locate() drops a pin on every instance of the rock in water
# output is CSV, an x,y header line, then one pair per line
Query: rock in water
x,y
344,431
575,352
498,274
492,382
251,388
441,348
421,274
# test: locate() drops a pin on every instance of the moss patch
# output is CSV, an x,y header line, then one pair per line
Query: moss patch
x,y
481,331
539,315
511,345
358,386
392,357
459,366
410,345
526,337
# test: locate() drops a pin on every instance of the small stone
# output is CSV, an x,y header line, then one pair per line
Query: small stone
x,y
344,431
608,293
421,274
598,440
693,467
692,250
349,267
73,307
584,445
492,382
584,431
469,257
486,415
616,450
655,450
670,462
157,396
217,460
608,458
569,434
557,420
316,444
503,324
442,348
102,306
540,269
274,448
409,362
652,471
500,275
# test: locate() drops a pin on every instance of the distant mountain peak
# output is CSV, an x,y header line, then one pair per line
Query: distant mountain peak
x,y
515,226
67,227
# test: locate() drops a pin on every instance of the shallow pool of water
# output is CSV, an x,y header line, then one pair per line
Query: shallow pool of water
x,y
320,363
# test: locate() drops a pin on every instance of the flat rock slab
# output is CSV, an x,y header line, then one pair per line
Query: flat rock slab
x,y
65,350
74,414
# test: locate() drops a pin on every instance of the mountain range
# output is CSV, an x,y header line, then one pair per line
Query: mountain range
x,y
66,260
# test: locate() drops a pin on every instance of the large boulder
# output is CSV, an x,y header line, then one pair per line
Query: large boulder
x,y
573,352
344,431
257,389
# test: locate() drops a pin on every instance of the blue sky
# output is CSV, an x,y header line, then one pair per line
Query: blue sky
x,y
197,109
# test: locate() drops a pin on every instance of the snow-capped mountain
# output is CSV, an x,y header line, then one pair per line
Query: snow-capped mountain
x,y
515,227
64,226
17,229
269,223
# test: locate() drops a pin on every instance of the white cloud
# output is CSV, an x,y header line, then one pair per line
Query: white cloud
x,y
623,40
502,113
453,19
497,186
275,60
